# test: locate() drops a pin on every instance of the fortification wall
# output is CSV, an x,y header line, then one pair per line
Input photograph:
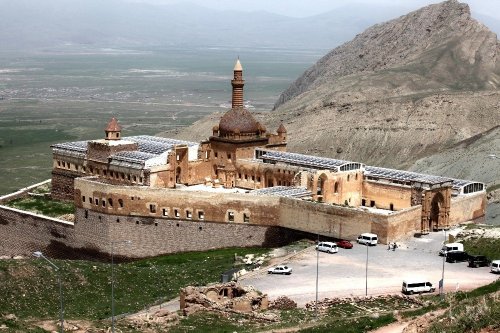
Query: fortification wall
x,y
90,238
327,220
23,233
152,236
403,223
170,203
471,207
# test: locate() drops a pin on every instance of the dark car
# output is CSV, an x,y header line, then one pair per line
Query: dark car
x,y
478,261
457,256
345,244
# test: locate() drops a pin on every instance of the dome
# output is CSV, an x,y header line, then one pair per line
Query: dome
x,y
238,120
281,128
113,126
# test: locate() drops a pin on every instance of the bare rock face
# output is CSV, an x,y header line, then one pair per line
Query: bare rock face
x,y
439,44
398,92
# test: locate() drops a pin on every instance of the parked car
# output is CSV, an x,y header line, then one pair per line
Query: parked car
x,y
367,239
495,266
457,256
345,244
280,269
328,247
478,261
451,247
417,286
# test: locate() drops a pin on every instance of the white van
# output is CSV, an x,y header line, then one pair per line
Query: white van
x,y
451,247
329,247
495,266
416,287
367,239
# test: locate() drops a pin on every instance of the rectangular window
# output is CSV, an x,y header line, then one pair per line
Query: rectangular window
x,y
201,215
177,213
372,203
230,216
246,218
96,202
228,156
152,208
165,212
83,198
189,214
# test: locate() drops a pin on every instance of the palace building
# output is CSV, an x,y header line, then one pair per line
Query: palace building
x,y
144,187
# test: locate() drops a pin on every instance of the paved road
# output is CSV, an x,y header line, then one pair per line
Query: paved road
x,y
344,274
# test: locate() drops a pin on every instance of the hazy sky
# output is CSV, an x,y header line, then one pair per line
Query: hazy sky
x,y
301,8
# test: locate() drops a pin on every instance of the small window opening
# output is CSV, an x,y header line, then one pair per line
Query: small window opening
x,y
96,201
120,203
372,203
246,218
391,206
152,208
230,216
363,202
165,212
189,214
201,215
110,202
177,213
83,198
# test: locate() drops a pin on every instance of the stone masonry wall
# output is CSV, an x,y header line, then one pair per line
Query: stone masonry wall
x,y
155,236
471,207
330,220
91,237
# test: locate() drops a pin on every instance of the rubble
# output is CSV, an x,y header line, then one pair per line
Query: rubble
x,y
283,303
225,297
326,303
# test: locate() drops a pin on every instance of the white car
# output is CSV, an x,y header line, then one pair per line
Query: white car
x,y
280,269
328,247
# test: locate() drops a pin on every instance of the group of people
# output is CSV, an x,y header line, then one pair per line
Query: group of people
x,y
392,246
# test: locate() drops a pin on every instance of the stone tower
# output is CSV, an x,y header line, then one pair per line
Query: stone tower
x,y
113,130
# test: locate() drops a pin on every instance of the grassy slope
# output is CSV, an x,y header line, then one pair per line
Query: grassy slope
x,y
29,288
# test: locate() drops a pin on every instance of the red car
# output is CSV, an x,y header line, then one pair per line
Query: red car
x,y
345,244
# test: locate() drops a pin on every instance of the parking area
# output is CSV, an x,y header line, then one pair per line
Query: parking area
x,y
343,274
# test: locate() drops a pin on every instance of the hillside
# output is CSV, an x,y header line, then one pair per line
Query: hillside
x,y
398,92
401,91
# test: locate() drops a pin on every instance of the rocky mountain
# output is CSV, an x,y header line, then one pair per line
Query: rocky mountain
x,y
418,87
400,91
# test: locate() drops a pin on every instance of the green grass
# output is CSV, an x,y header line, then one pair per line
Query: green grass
x,y
357,325
471,311
43,205
488,247
29,288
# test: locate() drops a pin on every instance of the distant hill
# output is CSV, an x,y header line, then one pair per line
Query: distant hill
x,y
35,24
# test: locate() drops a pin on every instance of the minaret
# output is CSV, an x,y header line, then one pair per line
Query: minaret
x,y
237,82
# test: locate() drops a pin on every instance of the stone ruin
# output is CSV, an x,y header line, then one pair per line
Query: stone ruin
x,y
225,297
